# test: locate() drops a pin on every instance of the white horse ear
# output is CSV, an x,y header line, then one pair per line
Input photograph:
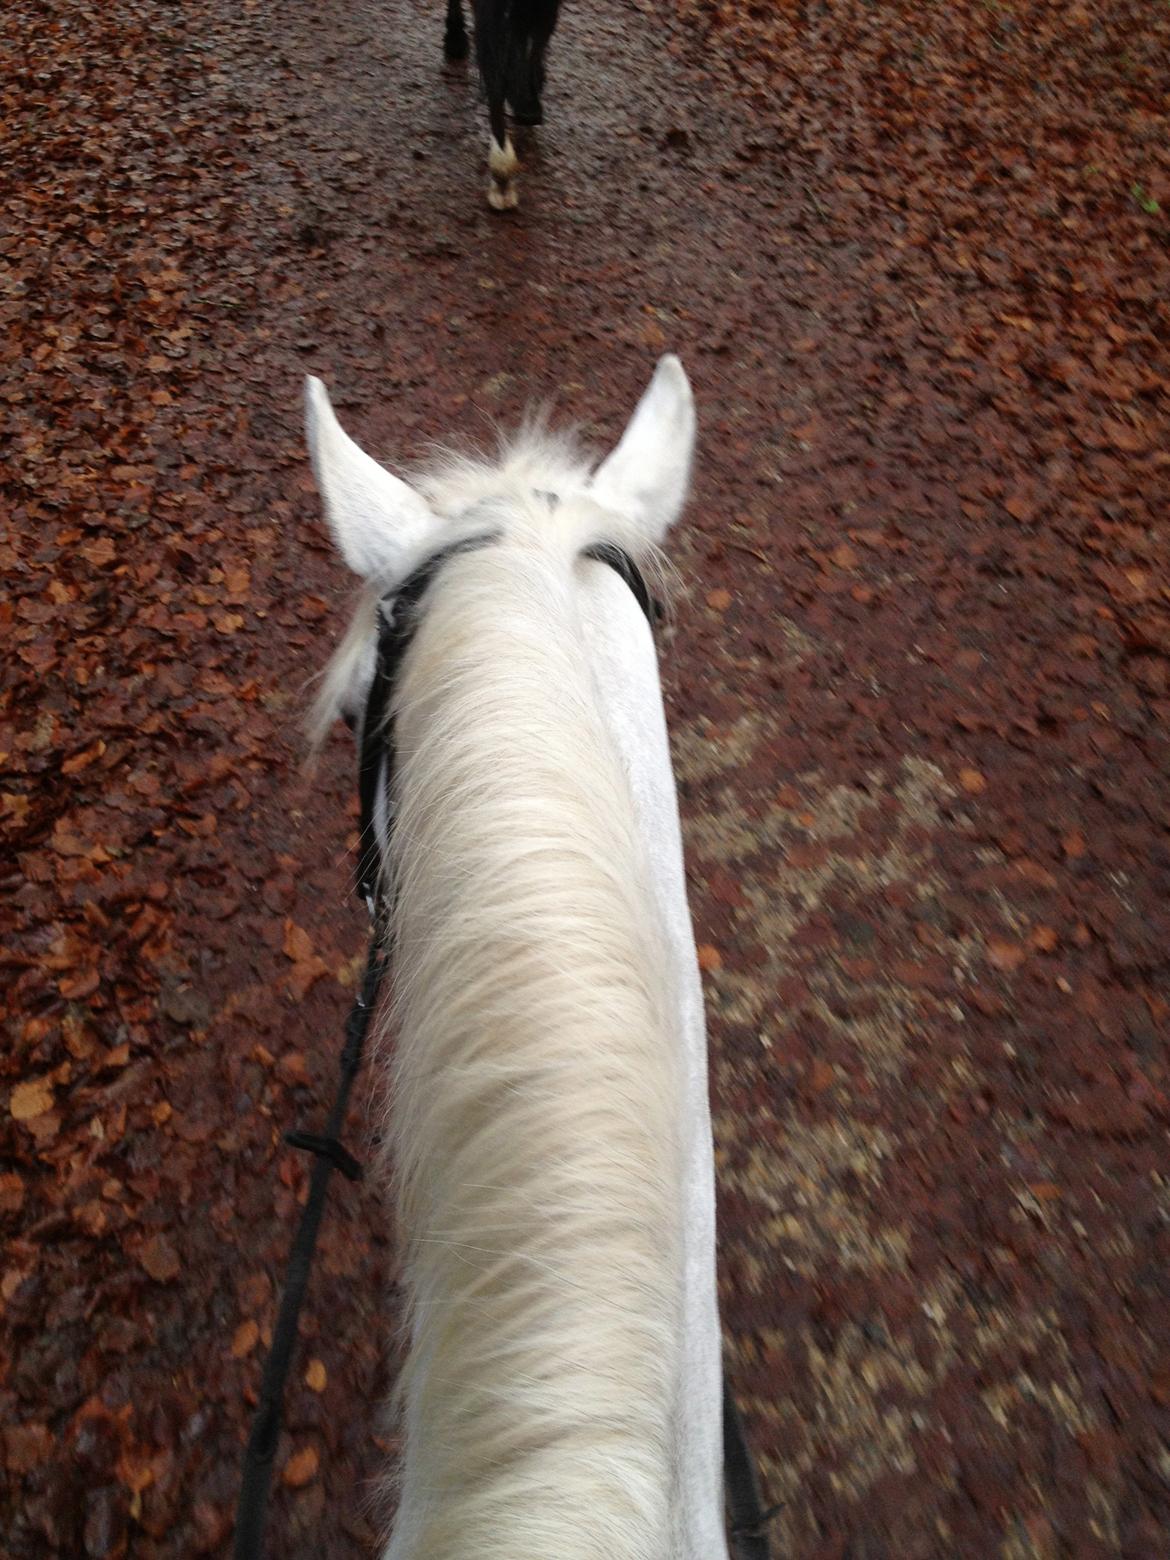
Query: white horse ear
x,y
379,523
646,476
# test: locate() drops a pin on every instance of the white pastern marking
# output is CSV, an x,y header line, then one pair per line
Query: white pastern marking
x,y
504,165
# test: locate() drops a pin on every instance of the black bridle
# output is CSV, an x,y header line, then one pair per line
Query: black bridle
x,y
398,615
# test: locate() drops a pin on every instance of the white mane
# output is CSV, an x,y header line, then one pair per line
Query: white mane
x,y
533,1096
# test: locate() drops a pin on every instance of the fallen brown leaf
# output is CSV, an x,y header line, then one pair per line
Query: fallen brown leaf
x,y
297,943
301,1468
1005,955
245,1339
821,1076
31,1099
160,1259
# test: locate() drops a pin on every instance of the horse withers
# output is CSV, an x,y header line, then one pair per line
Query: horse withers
x,y
511,37
548,1124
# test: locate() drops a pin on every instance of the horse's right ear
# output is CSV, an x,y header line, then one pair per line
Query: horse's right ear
x,y
646,477
380,524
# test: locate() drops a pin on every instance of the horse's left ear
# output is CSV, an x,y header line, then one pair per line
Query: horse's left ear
x,y
646,476
380,524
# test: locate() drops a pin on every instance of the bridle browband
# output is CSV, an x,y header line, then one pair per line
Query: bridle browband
x,y
398,619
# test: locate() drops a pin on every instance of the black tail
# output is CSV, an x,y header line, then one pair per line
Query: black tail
x,y
455,36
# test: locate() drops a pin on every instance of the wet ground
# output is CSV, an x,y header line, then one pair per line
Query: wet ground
x,y
918,678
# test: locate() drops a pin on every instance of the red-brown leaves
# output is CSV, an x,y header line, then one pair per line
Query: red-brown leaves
x,y
921,697
11,1193
245,1339
160,1259
301,1467
1005,955
31,1099
308,966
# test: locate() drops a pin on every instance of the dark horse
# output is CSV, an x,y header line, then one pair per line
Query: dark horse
x,y
511,37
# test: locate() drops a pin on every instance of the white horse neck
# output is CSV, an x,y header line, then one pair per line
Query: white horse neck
x,y
536,1096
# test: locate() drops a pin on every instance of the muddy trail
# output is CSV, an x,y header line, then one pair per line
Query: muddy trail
x,y
918,678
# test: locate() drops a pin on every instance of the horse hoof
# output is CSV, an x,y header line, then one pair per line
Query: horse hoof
x,y
528,114
455,48
504,165
503,197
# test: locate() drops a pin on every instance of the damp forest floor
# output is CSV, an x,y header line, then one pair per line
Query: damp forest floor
x,y
914,258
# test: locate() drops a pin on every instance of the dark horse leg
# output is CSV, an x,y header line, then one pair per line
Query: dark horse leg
x,y
455,36
493,20
511,37
533,23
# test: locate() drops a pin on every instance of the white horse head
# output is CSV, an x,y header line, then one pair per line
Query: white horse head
x,y
549,1126
384,527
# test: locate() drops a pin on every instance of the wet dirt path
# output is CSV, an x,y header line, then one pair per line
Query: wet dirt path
x,y
917,687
